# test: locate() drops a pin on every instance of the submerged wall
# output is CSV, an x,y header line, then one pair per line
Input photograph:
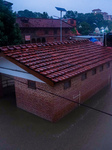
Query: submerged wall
x,y
51,106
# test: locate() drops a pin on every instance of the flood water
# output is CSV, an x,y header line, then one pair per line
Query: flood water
x,y
82,129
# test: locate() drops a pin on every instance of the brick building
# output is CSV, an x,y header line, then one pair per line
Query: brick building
x,y
105,15
49,77
35,30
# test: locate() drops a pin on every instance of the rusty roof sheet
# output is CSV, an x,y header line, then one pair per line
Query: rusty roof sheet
x,y
59,61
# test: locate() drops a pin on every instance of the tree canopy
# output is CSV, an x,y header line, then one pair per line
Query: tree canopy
x,y
9,30
86,23
29,14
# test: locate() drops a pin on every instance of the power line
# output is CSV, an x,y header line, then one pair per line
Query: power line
x,y
84,105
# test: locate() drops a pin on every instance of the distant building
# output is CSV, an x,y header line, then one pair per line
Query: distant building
x,y
34,30
96,11
105,14
72,22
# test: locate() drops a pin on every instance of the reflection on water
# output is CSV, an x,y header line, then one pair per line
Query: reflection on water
x,y
82,129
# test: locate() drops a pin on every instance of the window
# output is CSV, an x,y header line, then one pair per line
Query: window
x,y
43,40
46,31
55,39
72,21
31,84
108,64
94,71
66,31
55,31
38,40
84,76
101,68
67,84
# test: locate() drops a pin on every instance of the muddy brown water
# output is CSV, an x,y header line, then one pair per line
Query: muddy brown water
x,y
82,129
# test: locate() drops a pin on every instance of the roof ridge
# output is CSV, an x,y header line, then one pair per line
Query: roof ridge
x,y
35,45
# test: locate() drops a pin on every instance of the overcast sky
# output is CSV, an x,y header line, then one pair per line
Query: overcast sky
x,y
81,6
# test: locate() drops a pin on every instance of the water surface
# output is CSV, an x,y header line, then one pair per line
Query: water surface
x,y
82,129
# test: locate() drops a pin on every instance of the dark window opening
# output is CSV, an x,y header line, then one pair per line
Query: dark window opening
x,y
25,20
67,84
84,76
66,31
38,40
101,68
31,84
43,40
55,31
33,40
72,21
93,71
108,64
46,32
55,38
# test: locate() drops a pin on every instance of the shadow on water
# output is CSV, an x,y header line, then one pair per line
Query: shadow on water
x,y
81,129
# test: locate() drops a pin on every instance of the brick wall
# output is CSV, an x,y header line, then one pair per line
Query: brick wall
x,y
1,90
52,107
50,37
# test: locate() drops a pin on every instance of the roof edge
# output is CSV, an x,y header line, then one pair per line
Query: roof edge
x,y
48,81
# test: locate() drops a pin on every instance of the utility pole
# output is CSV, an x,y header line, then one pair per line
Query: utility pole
x,y
61,10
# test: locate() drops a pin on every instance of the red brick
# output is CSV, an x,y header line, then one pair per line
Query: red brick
x,y
52,107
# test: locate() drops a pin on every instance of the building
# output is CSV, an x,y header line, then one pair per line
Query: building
x,y
72,22
36,30
54,78
96,11
104,14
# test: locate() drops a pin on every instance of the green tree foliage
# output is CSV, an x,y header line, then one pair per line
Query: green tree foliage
x,y
84,28
70,14
26,13
29,14
91,20
9,30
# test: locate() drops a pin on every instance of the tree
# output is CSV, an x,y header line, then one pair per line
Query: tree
x,y
9,30
70,14
26,13
90,19
29,14
45,15
84,28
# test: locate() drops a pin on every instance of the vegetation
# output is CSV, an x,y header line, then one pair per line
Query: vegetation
x,y
30,14
86,23
9,30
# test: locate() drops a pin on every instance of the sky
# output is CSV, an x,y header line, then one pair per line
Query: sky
x,y
81,6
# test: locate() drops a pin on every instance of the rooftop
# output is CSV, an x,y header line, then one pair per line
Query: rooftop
x,y
96,9
40,23
56,62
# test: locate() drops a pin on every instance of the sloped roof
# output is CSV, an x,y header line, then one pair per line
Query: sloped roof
x,y
56,62
96,9
41,23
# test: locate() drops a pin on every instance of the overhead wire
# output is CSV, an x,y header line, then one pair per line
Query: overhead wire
x,y
81,104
